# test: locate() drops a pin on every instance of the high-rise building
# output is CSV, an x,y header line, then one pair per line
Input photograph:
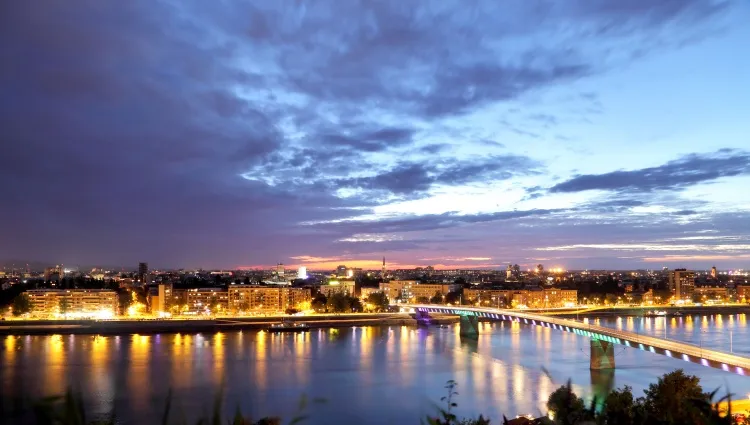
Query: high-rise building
x,y
54,273
509,272
142,272
383,272
73,302
682,283
280,270
302,273
714,273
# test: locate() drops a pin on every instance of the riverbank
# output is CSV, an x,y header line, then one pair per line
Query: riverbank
x,y
643,311
153,326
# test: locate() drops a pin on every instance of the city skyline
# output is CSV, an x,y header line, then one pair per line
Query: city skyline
x,y
584,134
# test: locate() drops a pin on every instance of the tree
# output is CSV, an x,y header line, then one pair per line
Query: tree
x,y
213,304
567,407
437,298
423,300
21,305
124,300
453,297
378,301
355,305
291,311
672,399
620,408
338,303
64,306
319,303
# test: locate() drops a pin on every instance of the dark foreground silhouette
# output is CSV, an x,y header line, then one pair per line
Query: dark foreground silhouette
x,y
675,399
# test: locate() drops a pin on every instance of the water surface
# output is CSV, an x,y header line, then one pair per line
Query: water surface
x,y
371,375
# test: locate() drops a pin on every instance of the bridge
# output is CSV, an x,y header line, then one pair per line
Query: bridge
x,y
603,339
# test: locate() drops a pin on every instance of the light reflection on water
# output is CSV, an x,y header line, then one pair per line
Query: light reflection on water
x,y
368,374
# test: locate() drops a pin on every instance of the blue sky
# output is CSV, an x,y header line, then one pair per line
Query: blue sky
x,y
579,134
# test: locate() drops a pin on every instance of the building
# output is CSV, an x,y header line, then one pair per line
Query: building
x,y
681,283
266,299
366,292
54,273
302,273
280,271
345,286
714,293
743,293
100,303
714,273
161,303
142,272
498,298
648,297
207,301
412,290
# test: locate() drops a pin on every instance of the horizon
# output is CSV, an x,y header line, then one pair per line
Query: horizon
x,y
580,135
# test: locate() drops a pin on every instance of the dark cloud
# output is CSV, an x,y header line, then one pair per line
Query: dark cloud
x,y
202,134
432,221
370,140
685,212
434,148
674,175
407,178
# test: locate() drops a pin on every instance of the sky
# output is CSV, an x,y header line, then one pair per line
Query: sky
x,y
452,133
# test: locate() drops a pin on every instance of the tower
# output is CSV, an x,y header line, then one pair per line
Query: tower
x,y
383,271
142,272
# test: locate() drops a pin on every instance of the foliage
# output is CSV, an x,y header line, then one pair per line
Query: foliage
x,y
343,303
124,300
446,415
453,297
621,408
671,400
676,398
291,311
21,305
567,407
319,303
437,298
64,306
378,301
422,300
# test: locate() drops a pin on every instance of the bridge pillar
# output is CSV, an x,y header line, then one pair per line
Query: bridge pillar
x,y
469,327
602,354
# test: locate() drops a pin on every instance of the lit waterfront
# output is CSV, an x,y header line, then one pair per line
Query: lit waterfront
x,y
359,370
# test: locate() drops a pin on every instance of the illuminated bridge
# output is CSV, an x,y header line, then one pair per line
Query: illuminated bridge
x,y
602,339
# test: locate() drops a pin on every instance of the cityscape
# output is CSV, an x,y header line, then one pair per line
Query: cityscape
x,y
442,212
57,292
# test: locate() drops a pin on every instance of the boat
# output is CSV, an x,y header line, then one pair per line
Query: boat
x,y
656,314
289,327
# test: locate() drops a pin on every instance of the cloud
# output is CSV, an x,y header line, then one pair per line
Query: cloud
x,y
203,134
370,140
674,175
427,222
407,178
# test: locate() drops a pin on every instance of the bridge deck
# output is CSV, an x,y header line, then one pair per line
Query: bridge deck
x,y
679,350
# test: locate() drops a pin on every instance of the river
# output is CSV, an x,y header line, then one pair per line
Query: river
x,y
367,375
